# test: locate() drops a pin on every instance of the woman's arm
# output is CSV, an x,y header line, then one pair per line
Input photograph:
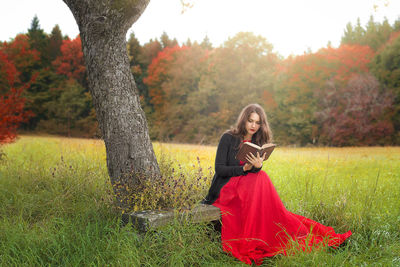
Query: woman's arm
x,y
221,167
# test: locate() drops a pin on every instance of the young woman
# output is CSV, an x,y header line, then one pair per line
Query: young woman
x,y
255,223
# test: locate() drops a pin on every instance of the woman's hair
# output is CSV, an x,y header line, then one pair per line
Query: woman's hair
x,y
263,135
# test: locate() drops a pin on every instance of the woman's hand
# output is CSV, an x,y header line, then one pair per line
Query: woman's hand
x,y
256,161
247,167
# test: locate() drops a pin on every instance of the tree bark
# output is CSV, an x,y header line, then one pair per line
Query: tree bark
x,y
103,25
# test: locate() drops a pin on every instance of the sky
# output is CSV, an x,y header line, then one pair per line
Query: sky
x,y
291,26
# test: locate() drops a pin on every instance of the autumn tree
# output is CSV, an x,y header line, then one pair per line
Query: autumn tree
x,y
357,113
174,76
240,72
70,110
103,26
197,92
70,62
23,56
299,81
12,103
25,60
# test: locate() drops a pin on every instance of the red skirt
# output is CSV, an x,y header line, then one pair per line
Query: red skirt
x,y
256,224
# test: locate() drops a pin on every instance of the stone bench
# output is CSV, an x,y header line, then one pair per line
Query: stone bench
x,y
151,219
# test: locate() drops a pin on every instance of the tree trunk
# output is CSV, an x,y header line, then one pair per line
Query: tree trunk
x,y
103,25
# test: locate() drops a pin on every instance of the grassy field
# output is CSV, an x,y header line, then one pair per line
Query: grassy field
x,y
56,206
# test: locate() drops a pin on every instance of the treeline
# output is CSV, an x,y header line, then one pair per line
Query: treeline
x,y
192,92
52,69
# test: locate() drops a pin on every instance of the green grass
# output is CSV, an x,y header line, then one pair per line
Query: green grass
x,y
56,206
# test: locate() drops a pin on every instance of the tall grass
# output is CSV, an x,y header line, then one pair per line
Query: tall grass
x,y
56,206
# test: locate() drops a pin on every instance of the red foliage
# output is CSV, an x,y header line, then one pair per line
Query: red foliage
x,y
11,103
12,114
158,72
302,82
8,73
310,71
71,63
20,53
269,100
356,114
348,60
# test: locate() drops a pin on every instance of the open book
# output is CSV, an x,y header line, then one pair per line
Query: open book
x,y
248,147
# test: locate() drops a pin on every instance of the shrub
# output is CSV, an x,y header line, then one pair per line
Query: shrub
x,y
176,188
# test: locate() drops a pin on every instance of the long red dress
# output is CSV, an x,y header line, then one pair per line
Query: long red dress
x,y
255,223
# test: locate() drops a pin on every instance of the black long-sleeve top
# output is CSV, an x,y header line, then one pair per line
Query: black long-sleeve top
x,y
226,166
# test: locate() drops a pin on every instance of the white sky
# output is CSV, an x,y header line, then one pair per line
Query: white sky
x,y
292,26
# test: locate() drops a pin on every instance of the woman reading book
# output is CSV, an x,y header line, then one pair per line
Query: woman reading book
x,y
255,223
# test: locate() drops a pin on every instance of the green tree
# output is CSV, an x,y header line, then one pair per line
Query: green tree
x,y
371,34
188,42
42,93
39,41
134,49
66,110
386,67
149,51
353,35
166,41
136,53
396,25
348,35
374,35
55,42
206,44
384,33
145,56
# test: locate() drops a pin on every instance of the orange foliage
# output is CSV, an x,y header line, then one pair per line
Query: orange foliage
x,y
11,103
311,71
71,63
158,73
12,114
269,100
348,59
20,53
356,114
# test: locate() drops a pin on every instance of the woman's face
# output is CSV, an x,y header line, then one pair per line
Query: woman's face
x,y
253,123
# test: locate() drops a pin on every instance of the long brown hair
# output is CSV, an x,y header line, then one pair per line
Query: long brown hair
x,y
263,135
